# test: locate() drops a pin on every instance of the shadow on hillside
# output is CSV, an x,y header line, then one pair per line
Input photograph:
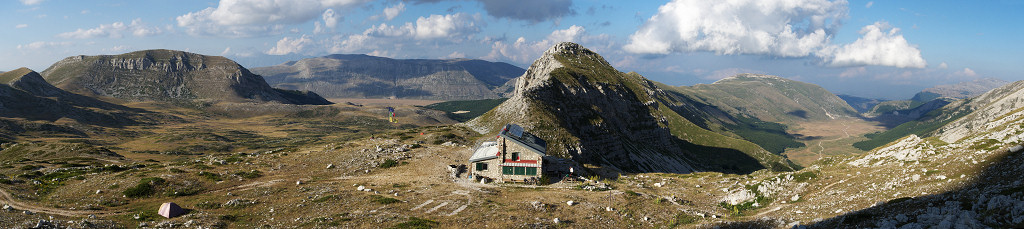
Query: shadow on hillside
x,y
948,208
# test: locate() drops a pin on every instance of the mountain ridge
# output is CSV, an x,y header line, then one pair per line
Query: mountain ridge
x,y
168,76
365,76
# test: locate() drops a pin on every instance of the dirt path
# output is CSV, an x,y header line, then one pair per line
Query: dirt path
x,y
9,200
845,127
768,211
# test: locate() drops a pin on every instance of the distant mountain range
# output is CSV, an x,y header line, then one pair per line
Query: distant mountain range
x,y
861,104
960,90
168,76
770,98
363,76
600,115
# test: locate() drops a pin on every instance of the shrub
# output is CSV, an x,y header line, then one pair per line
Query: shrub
x,y
249,175
388,164
146,187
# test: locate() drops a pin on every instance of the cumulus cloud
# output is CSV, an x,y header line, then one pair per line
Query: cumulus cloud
x,y
780,28
434,26
246,18
392,12
967,72
523,51
43,44
291,45
876,47
943,65
114,30
119,48
797,28
871,3
31,2
21,26
330,21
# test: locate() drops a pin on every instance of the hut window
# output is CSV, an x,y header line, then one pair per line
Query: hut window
x,y
506,170
481,166
531,171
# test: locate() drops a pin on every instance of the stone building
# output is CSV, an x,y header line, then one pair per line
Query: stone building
x,y
515,156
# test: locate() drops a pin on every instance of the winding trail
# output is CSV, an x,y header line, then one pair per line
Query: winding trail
x,y
19,205
845,127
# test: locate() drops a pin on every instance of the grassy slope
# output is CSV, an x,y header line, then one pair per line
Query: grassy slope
x,y
769,135
922,127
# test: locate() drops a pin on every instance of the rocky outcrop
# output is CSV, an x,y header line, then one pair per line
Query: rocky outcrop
x,y
992,111
168,76
911,148
362,76
594,114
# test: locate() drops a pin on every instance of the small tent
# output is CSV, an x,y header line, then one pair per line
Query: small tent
x,y
170,210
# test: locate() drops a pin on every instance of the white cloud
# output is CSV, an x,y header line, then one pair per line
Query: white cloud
x,y
434,26
967,72
21,26
794,28
876,47
523,51
30,2
247,18
43,44
226,51
119,48
943,65
784,28
114,30
292,45
456,55
330,22
871,3
392,12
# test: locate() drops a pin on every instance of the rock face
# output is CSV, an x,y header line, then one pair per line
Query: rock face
x,y
572,98
911,148
169,76
961,90
362,76
771,98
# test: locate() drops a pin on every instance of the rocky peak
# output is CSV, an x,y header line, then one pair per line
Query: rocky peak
x,y
595,114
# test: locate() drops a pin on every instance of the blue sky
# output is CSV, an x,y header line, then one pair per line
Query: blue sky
x,y
882,49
